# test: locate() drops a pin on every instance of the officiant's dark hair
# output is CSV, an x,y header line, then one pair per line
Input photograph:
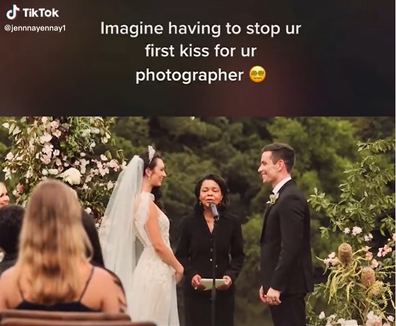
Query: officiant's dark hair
x,y
281,151
156,191
223,187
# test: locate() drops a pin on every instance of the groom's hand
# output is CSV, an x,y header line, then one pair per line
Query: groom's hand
x,y
273,297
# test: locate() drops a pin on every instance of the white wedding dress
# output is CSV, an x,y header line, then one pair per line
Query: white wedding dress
x,y
152,291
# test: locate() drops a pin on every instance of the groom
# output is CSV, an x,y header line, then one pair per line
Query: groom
x,y
286,264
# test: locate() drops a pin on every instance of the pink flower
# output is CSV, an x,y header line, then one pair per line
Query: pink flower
x,y
369,256
54,124
45,159
374,263
383,251
20,188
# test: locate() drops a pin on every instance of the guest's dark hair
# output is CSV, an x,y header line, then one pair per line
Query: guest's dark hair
x,y
11,218
282,152
223,187
90,229
156,191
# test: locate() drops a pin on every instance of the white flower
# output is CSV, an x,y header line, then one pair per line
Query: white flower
x,y
103,157
6,125
45,138
72,176
347,230
83,164
29,174
356,230
367,238
332,255
9,156
44,172
82,154
110,185
88,210
322,315
113,164
95,131
391,318
57,133
7,172
53,171
374,263
56,152
85,132
16,131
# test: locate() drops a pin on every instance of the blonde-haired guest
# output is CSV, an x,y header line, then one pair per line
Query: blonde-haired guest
x,y
53,271
4,198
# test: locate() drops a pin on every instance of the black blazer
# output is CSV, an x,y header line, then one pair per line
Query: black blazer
x,y
195,247
286,263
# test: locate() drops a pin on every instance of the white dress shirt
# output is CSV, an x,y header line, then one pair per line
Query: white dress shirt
x,y
280,185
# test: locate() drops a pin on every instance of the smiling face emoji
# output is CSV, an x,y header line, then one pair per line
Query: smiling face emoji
x,y
257,74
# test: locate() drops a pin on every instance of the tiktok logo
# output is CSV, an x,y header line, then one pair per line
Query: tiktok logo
x,y
12,13
32,12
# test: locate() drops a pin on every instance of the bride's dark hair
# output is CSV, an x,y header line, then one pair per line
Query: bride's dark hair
x,y
156,191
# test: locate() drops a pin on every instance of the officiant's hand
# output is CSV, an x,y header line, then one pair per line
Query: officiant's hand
x,y
196,283
227,284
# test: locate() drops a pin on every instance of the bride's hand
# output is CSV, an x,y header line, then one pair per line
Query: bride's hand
x,y
179,274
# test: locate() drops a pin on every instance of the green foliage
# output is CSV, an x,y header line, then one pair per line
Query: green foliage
x,y
366,204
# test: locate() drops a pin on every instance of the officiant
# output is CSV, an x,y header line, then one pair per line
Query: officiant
x,y
195,252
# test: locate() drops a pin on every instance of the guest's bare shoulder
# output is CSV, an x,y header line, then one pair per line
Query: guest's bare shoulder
x,y
7,279
101,275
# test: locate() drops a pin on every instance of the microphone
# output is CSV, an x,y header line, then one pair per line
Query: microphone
x,y
215,213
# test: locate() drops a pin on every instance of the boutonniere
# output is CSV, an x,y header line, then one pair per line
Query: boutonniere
x,y
273,199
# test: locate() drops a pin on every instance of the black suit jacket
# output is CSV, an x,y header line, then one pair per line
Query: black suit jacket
x,y
195,247
286,263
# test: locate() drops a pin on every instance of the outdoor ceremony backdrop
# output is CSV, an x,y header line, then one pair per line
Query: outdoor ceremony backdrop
x,y
192,147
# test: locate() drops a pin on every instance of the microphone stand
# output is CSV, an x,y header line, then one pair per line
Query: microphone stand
x,y
216,217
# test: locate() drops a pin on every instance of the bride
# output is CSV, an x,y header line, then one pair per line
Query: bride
x,y
148,269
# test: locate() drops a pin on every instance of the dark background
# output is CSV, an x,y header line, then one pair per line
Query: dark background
x,y
341,64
